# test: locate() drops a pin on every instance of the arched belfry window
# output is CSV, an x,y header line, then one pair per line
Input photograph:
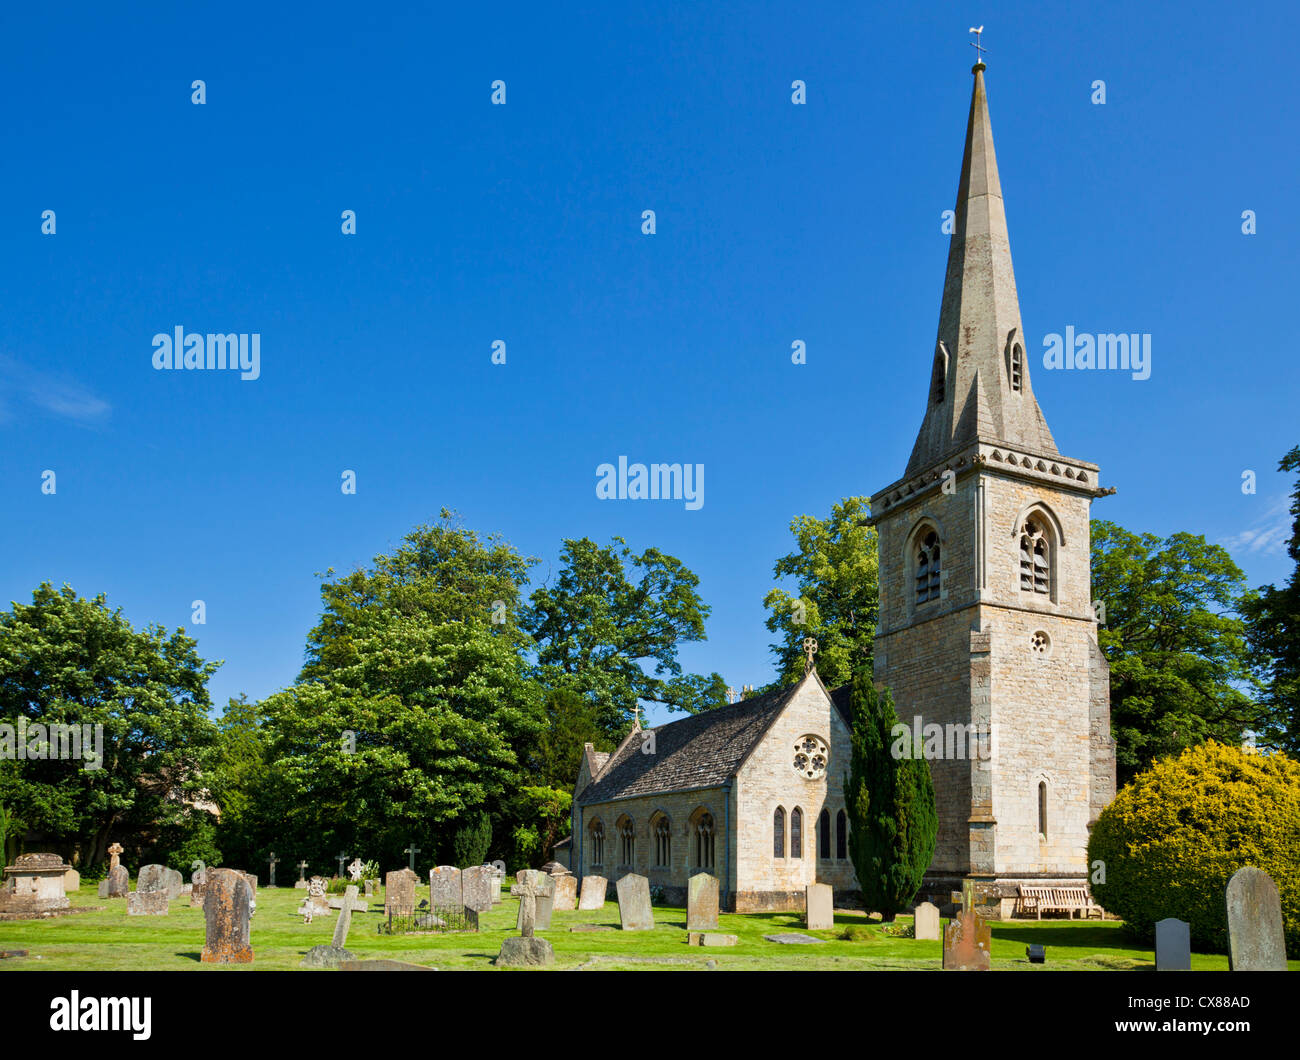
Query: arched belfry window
x,y
928,567
939,375
1035,557
1017,366
778,833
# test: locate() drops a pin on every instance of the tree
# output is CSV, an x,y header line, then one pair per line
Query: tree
x,y
596,627
835,570
892,817
1180,666
1273,623
571,723
70,661
234,774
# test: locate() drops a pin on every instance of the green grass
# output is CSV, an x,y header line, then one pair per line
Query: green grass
x,y
110,940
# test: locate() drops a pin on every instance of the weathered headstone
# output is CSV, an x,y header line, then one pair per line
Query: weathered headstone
x,y
545,886
301,883
498,874
1256,938
1173,945
476,886
160,878
198,884
525,949
702,903
71,881
566,892
326,957
634,903
146,903
926,916
227,909
344,922
119,883
399,893
370,888
713,938
968,937
316,901
593,892
34,884
819,907
114,853
444,887
355,869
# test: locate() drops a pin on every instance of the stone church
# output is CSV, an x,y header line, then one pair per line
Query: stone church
x,y
986,629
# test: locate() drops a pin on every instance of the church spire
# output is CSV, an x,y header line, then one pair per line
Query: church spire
x,y
979,384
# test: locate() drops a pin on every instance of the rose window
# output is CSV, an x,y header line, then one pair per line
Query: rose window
x,y
810,757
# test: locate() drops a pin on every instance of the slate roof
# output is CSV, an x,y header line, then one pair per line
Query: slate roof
x,y
840,697
700,751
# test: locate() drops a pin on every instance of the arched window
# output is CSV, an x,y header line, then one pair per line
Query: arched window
x,y
626,841
1042,808
824,835
1035,557
796,833
1017,366
927,567
597,833
778,833
940,373
663,831
704,841
841,835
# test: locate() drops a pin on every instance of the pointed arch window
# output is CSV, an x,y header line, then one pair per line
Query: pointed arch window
x,y
778,833
597,835
1042,809
1017,366
704,841
940,374
626,842
928,567
796,833
841,835
824,835
1035,557
663,842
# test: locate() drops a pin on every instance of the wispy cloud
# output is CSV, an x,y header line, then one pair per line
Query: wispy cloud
x,y
1270,533
60,396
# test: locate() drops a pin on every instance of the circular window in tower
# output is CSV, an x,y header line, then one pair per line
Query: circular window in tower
x,y
1040,643
810,757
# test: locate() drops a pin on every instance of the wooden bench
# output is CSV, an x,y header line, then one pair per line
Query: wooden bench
x,y
1038,900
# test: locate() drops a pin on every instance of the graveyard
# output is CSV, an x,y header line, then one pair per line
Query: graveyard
x,y
106,938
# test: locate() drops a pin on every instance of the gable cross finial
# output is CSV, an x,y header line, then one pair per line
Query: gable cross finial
x,y
636,714
810,649
979,51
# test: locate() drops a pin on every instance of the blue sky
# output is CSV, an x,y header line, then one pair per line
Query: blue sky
x,y
522,223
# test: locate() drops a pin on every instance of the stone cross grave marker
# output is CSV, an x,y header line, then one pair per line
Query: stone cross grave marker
x,y
926,917
566,892
634,911
544,884
819,907
702,902
344,922
355,869
342,858
227,910
1173,945
1256,939
114,852
476,885
526,949
529,890
302,876
273,862
593,891
412,850
967,939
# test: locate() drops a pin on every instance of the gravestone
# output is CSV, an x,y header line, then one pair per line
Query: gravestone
x,y
160,878
34,884
71,881
355,869
819,907
102,891
198,886
566,892
146,903
326,957
118,882
498,874
967,938
227,911
370,888
634,903
114,853
476,886
526,950
316,900
444,887
301,882
1256,939
399,893
711,938
344,922
702,903
926,917
545,886
1173,945
593,892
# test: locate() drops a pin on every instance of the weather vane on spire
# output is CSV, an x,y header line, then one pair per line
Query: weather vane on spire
x,y
979,51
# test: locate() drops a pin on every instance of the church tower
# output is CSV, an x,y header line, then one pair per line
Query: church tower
x,y
986,619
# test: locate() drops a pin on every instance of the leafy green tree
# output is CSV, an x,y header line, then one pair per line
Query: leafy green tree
x,y
542,814
1273,621
597,629
835,568
1180,666
571,723
892,817
73,661
234,774
471,840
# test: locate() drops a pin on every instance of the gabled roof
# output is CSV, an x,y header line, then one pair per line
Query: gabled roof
x,y
701,751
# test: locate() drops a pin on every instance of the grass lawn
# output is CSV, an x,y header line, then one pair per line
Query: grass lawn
x,y
110,940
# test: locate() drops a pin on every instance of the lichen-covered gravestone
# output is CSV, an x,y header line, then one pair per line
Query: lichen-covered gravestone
x,y
926,921
819,907
566,892
444,887
476,886
1256,939
160,878
702,902
399,893
1173,945
146,903
227,910
634,903
545,885
968,937
593,892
